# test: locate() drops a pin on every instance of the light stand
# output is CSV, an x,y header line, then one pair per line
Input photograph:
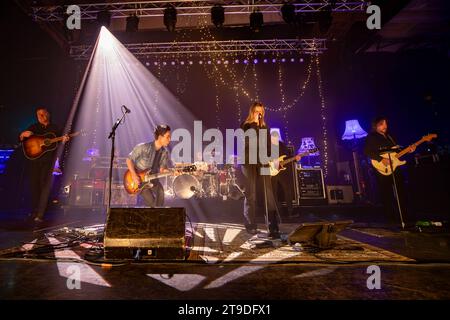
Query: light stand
x,y
112,136
357,169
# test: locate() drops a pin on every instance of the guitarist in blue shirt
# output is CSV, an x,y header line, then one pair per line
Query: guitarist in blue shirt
x,y
152,156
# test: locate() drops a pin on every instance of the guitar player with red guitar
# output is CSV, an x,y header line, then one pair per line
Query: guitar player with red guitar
x,y
41,161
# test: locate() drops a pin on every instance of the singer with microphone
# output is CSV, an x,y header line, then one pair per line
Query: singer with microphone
x,y
252,178
380,141
152,156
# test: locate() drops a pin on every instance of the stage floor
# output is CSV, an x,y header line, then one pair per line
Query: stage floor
x,y
226,263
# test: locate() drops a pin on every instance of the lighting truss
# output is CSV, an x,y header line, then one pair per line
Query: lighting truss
x,y
188,8
303,46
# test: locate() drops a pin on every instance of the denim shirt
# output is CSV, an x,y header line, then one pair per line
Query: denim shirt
x,y
143,156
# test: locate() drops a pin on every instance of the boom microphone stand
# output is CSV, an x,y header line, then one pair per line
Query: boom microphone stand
x,y
112,136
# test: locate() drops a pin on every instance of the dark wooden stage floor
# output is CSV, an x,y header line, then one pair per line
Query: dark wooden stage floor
x,y
223,264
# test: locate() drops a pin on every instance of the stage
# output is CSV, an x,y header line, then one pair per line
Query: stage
x,y
223,262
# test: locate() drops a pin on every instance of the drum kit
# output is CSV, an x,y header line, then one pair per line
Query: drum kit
x,y
208,181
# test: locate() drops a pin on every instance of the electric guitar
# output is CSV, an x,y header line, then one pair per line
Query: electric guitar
x,y
282,161
37,145
395,157
146,177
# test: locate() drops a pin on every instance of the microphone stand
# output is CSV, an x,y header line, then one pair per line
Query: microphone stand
x,y
112,136
394,181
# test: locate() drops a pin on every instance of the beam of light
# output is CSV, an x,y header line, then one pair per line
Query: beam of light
x,y
181,282
29,246
262,262
115,78
230,235
87,274
316,273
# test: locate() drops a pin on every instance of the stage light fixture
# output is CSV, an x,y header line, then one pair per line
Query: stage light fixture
x,y
132,23
104,18
255,61
265,60
256,20
218,15
170,17
288,13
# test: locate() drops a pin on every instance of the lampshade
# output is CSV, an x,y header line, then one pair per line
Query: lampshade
x,y
277,130
353,130
307,144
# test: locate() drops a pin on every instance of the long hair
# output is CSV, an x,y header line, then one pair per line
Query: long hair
x,y
252,110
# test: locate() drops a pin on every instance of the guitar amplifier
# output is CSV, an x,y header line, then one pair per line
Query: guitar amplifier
x,y
145,234
119,196
86,192
340,194
311,184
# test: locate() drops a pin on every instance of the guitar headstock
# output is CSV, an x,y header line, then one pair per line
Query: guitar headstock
x,y
429,137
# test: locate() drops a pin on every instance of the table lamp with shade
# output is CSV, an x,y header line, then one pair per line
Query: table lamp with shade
x,y
353,132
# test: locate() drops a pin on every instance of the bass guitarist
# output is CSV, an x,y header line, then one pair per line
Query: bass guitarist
x,y
41,169
152,156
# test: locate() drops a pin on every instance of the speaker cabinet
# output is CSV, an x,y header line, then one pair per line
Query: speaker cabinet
x,y
145,234
340,194
119,196
86,192
311,184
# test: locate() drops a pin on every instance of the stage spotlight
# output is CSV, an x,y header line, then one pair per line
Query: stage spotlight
x,y
245,61
301,60
132,23
283,60
265,60
255,61
104,18
236,61
274,60
256,20
191,63
170,17
218,15
288,13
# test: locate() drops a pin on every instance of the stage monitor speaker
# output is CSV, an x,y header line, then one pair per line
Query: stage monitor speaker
x,y
340,194
320,234
145,234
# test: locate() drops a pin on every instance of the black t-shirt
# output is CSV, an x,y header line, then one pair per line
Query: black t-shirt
x,y
40,129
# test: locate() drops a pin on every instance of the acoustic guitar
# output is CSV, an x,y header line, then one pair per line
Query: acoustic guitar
x,y
37,145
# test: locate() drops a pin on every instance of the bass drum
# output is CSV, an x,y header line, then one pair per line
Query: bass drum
x,y
185,186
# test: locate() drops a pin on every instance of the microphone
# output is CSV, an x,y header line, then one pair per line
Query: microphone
x,y
259,119
126,109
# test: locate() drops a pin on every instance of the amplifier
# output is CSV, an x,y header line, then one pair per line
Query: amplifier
x,y
340,194
311,184
119,196
145,234
87,192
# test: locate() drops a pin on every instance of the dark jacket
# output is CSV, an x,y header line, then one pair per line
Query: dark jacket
x,y
376,141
